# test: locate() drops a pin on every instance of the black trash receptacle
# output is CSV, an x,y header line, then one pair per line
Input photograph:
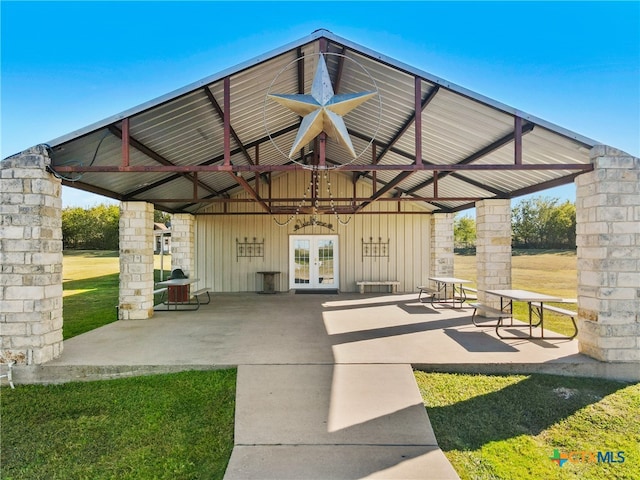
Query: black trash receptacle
x,y
177,273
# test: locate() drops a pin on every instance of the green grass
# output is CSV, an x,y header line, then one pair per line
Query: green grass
x,y
90,289
507,427
175,426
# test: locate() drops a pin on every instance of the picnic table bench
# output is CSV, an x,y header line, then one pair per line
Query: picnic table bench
x,y
489,312
560,311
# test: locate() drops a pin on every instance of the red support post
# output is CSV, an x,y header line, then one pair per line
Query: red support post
x,y
322,44
257,173
125,142
195,186
517,127
435,184
227,121
374,159
418,119
322,160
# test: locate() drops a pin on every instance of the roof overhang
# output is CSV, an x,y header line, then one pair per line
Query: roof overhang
x,y
435,142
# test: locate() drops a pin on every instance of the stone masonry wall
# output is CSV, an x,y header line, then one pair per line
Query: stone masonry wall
x,y
30,259
441,252
136,261
183,243
493,248
608,239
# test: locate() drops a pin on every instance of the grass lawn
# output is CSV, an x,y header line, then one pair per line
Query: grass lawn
x,y
90,288
553,272
175,426
508,427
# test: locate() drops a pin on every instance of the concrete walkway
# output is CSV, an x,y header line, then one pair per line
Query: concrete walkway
x,y
325,386
332,422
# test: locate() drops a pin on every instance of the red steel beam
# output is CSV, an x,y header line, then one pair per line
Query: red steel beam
x,y
133,142
125,142
290,167
418,118
435,184
322,45
322,151
220,112
389,146
257,178
392,184
195,185
244,184
517,140
227,121
298,199
389,212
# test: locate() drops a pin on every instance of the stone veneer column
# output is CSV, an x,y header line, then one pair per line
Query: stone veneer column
x,y
493,248
30,259
136,261
441,257
608,239
182,243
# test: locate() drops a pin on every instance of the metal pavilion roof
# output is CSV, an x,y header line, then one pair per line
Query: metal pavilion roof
x,y
210,139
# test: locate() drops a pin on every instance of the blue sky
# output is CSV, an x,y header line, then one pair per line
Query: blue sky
x,y
67,65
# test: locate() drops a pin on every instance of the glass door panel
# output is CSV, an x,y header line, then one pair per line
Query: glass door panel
x,y
313,261
301,248
325,262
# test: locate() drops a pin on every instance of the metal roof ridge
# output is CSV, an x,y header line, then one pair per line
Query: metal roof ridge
x,y
322,33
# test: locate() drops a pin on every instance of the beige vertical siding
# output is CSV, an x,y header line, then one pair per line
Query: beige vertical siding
x,y
219,268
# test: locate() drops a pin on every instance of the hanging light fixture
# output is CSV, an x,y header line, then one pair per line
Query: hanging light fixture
x,y
314,186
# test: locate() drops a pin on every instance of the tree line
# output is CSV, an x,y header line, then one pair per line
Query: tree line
x,y
539,222
95,228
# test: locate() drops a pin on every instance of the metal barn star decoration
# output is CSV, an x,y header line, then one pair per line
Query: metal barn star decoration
x,y
322,111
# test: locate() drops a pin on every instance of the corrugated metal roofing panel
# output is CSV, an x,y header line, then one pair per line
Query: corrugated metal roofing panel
x,y
185,131
184,128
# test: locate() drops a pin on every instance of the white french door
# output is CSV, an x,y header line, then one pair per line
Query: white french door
x,y
313,261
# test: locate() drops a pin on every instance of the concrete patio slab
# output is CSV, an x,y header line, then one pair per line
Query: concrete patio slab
x,y
245,329
240,329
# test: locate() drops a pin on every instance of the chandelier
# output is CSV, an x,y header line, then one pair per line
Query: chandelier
x,y
314,203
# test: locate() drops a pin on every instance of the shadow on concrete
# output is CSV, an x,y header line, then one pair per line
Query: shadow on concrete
x,y
478,341
395,330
